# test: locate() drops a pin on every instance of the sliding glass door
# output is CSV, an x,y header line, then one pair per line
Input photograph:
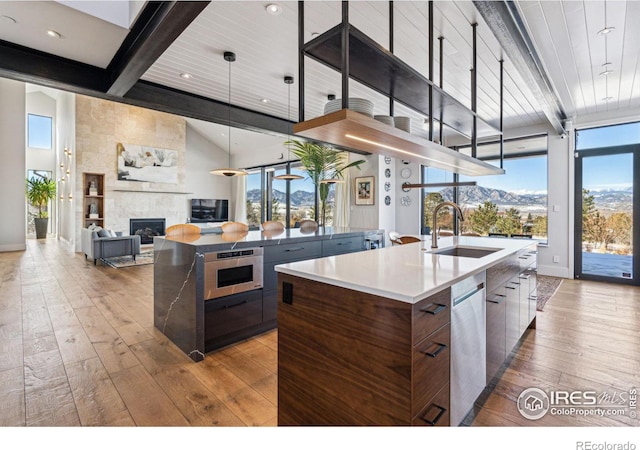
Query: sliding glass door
x,y
606,238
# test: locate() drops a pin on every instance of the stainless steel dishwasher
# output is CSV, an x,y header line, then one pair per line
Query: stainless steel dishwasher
x,y
468,344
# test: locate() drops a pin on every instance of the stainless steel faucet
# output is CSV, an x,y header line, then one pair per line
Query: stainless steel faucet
x,y
434,232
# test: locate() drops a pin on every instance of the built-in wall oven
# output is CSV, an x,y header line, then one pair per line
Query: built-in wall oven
x,y
232,271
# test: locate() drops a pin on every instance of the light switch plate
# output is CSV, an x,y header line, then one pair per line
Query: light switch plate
x,y
556,208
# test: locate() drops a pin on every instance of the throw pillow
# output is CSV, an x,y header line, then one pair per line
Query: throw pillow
x,y
103,233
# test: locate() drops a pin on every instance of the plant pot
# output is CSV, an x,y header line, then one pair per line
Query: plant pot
x,y
41,227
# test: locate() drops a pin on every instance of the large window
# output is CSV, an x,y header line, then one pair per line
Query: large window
x,y
40,131
513,204
267,198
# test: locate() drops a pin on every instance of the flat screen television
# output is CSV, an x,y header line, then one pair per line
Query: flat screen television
x,y
209,210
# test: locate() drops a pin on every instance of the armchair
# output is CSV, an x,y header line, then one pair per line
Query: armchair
x,y
97,247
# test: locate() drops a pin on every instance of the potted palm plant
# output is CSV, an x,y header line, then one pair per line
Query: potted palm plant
x,y
40,190
323,166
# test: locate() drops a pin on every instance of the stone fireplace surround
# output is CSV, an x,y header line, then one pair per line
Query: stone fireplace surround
x,y
147,228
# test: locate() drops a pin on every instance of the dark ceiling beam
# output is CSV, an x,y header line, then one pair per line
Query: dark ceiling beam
x,y
33,66
154,96
159,24
507,25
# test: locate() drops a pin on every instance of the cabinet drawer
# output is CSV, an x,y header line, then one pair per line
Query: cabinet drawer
x,y
231,314
436,413
431,359
431,314
291,252
527,257
342,245
496,331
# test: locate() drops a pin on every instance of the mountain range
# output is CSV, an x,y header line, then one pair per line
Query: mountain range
x,y
609,200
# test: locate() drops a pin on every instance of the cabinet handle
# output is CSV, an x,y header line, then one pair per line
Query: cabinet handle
x,y
510,287
441,347
297,249
473,291
437,417
237,304
439,307
499,300
344,243
523,257
523,276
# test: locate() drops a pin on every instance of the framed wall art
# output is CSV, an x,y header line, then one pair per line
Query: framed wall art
x,y
365,190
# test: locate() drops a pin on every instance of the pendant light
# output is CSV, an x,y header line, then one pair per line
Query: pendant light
x,y
288,176
228,172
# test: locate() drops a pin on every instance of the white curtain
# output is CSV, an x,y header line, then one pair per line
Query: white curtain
x,y
343,196
239,187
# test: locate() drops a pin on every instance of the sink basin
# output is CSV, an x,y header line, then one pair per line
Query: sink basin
x,y
466,252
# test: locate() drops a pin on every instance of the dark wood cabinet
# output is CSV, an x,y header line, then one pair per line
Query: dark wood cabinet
x,y
351,358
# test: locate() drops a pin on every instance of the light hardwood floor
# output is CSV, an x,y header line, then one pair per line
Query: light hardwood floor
x,y
78,348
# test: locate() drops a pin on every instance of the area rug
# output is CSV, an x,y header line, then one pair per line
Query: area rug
x,y
127,261
547,286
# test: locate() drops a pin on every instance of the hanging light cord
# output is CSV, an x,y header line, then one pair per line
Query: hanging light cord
x,y
229,122
289,118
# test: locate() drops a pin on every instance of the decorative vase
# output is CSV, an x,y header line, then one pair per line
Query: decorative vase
x,y
41,227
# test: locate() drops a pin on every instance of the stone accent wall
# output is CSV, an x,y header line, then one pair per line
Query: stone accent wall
x,y
100,125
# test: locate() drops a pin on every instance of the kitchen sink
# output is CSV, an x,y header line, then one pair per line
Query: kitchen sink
x,y
466,252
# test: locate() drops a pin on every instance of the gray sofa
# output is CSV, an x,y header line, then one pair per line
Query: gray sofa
x,y
98,247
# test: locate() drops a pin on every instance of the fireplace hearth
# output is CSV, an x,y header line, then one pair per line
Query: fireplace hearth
x,y
147,228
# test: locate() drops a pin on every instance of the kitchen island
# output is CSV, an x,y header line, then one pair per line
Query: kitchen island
x,y
199,312
371,340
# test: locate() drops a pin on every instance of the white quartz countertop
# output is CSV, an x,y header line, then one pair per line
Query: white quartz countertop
x,y
407,273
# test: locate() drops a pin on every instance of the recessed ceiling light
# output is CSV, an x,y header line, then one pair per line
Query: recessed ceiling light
x,y
53,34
273,9
264,100
606,30
7,19
606,72
607,99
186,75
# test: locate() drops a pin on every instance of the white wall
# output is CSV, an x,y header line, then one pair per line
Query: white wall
x,y
200,158
66,133
364,216
12,169
408,217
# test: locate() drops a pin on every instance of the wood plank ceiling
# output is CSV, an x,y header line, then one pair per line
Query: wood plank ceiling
x,y
566,37
564,34
266,48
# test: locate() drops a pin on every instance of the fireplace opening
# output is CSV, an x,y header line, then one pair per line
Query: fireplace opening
x,y
147,229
